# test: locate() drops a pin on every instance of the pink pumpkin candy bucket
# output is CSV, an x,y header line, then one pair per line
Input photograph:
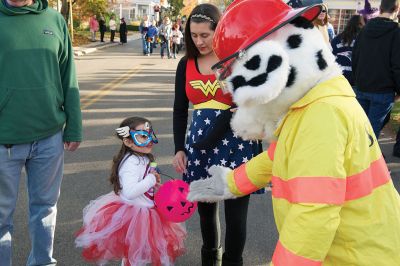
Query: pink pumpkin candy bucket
x,y
171,201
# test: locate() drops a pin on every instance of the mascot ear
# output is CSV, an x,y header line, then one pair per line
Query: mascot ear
x,y
259,76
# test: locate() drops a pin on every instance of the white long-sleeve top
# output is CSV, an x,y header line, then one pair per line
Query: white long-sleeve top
x,y
112,24
137,184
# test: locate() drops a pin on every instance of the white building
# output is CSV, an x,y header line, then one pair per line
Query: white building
x,y
136,9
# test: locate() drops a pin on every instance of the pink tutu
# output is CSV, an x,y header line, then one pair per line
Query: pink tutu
x,y
113,230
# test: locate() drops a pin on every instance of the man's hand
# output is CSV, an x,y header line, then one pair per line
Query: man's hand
x,y
71,146
212,189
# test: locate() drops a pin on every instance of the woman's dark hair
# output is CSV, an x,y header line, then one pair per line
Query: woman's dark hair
x,y
203,13
132,123
353,27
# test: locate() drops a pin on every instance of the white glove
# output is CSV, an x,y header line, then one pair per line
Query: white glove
x,y
211,189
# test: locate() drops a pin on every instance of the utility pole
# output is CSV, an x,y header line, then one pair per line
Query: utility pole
x,y
71,20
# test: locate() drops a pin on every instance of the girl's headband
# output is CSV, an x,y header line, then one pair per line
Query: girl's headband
x,y
124,131
203,17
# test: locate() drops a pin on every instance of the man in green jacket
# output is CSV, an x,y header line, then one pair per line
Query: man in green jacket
x,y
39,117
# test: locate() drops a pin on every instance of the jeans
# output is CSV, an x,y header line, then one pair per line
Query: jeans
x,y
166,44
43,161
376,106
175,49
112,35
149,48
144,44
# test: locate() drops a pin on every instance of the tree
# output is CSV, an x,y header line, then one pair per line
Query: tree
x,y
82,9
189,5
176,7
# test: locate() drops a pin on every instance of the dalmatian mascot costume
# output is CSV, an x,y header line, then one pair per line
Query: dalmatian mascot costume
x,y
333,198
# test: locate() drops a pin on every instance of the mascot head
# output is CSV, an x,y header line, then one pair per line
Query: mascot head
x,y
271,54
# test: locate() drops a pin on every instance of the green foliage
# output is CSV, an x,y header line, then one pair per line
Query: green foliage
x,y
87,8
176,7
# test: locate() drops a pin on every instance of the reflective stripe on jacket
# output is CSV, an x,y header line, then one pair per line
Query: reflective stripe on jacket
x,y
334,201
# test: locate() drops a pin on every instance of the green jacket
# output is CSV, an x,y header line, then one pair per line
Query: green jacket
x,y
39,93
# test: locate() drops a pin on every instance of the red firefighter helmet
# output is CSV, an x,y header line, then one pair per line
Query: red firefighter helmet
x,y
245,22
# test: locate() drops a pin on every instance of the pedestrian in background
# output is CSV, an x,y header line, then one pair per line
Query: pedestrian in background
x,y
176,39
321,23
376,64
143,28
94,27
113,27
40,117
123,31
203,147
102,28
151,35
343,43
166,36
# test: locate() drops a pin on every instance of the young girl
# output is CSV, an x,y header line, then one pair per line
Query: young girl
x,y
176,39
124,224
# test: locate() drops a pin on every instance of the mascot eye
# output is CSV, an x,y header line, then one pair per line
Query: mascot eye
x,y
169,208
274,62
321,61
238,81
253,63
294,41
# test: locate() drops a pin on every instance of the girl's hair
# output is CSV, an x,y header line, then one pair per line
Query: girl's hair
x,y
203,13
319,22
352,28
132,123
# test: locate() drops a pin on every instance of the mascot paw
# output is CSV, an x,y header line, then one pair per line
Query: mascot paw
x,y
212,189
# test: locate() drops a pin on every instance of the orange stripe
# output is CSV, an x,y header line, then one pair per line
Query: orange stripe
x,y
331,190
283,257
364,183
242,181
271,150
310,189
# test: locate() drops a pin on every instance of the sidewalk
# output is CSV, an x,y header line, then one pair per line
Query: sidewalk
x,y
94,46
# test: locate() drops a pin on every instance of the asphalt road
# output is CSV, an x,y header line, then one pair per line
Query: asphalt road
x,y
116,83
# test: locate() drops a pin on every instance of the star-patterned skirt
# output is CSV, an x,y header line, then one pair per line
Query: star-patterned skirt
x,y
231,151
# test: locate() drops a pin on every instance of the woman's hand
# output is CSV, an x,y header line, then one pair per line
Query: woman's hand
x,y
179,162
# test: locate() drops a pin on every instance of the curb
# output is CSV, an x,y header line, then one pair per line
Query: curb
x,y
80,51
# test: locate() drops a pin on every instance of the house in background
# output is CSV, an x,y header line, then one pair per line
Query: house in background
x,y
136,9
340,11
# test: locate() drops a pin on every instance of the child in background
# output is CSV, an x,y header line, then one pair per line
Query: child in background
x,y
176,39
123,224
151,35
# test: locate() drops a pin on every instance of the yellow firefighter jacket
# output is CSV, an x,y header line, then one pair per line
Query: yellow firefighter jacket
x,y
334,201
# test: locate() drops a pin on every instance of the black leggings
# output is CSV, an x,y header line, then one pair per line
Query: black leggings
x,y
235,220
